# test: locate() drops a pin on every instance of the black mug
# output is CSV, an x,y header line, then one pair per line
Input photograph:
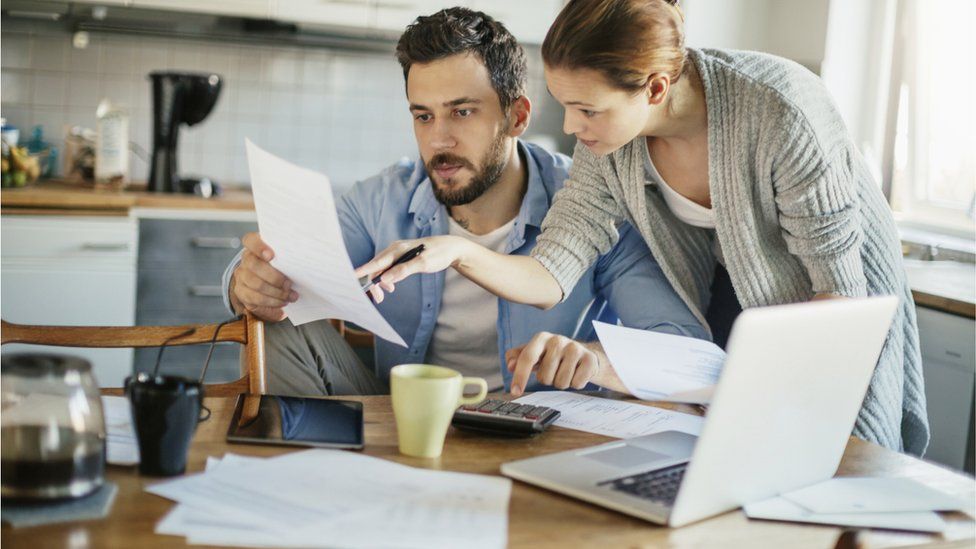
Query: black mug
x,y
165,413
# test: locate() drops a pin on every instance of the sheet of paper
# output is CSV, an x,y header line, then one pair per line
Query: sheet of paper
x,y
297,218
612,418
655,366
123,447
779,508
873,495
423,508
464,510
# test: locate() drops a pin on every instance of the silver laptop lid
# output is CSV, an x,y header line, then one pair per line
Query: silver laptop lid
x,y
786,402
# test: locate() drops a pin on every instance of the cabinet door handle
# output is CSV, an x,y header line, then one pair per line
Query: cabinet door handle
x,y
207,291
105,246
226,243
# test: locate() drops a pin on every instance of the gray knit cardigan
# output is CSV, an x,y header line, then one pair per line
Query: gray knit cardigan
x,y
796,213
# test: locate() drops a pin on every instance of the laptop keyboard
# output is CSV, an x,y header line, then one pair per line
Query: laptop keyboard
x,y
659,485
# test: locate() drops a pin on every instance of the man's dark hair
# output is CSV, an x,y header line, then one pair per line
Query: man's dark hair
x,y
459,30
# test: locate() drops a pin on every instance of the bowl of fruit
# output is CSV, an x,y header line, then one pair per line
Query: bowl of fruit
x,y
20,167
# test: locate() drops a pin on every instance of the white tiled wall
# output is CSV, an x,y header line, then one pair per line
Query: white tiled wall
x,y
338,112
335,111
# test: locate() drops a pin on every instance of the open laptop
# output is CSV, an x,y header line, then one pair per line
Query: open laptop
x,y
780,417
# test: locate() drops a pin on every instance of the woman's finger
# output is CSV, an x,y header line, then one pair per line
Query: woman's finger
x,y
384,259
377,293
414,266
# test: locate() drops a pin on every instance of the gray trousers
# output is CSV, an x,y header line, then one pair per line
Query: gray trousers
x,y
314,360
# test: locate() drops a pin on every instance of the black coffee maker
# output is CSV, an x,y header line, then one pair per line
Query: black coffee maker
x,y
178,98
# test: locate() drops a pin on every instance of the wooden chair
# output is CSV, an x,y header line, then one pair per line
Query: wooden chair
x,y
354,337
247,331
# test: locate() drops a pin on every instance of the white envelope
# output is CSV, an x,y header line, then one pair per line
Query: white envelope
x,y
873,495
779,508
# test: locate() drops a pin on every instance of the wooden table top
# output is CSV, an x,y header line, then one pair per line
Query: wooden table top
x,y
537,518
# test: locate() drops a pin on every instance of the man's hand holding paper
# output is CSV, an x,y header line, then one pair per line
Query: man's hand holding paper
x,y
257,286
312,277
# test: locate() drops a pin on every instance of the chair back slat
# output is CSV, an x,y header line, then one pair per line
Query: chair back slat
x,y
248,331
119,336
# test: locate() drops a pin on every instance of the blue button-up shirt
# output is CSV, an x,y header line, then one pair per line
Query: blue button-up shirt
x,y
399,204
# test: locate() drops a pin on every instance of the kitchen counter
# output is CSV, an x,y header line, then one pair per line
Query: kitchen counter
x,y
948,286
61,198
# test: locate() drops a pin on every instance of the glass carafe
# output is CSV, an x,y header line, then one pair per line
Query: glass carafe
x,y
53,429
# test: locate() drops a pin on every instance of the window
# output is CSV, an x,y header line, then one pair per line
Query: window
x,y
931,130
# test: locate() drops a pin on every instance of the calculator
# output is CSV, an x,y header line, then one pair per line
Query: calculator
x,y
503,418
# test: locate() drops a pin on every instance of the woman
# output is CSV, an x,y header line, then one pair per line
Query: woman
x,y
726,162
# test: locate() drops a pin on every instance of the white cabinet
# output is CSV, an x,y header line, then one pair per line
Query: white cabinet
x,y
72,270
948,345
258,9
314,13
395,16
105,2
527,21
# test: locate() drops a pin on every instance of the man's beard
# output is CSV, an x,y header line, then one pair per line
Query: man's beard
x,y
451,193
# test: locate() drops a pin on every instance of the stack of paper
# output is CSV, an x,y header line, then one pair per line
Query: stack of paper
x,y
893,503
331,498
612,418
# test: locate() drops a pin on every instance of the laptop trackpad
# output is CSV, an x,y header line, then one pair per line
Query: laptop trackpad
x,y
626,456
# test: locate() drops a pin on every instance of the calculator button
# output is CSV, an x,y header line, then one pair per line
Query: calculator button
x,y
490,406
507,407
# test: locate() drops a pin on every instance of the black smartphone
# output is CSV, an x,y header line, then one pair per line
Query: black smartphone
x,y
297,421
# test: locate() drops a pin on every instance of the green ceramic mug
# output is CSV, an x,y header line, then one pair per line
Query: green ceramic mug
x,y
424,400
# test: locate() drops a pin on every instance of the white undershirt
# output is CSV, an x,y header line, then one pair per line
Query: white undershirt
x,y
683,208
466,334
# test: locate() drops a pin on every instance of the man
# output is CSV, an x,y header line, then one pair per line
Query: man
x,y
465,82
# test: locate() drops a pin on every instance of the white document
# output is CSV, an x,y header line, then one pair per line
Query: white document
x,y
297,218
663,367
873,495
395,506
779,508
613,418
122,445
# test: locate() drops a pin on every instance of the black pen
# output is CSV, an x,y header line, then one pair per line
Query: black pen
x,y
402,259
